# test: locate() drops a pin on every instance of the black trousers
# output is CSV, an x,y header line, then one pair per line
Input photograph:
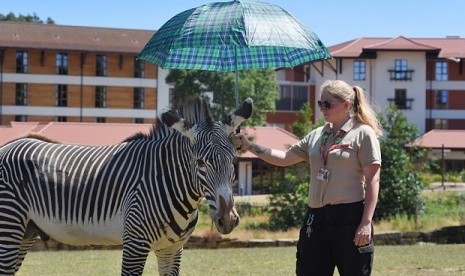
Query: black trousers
x,y
326,241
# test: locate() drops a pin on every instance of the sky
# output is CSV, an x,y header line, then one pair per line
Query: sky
x,y
334,22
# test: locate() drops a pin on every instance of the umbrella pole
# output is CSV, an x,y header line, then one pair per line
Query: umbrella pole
x,y
237,90
237,77
238,129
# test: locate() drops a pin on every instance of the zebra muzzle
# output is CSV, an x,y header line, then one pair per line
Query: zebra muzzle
x,y
228,218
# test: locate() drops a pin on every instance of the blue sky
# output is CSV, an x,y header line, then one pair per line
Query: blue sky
x,y
334,21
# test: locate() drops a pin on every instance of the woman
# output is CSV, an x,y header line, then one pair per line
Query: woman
x,y
345,160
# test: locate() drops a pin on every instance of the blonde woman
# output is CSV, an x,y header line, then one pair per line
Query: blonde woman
x,y
345,160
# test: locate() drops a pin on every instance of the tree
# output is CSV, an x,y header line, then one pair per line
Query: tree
x,y
400,183
260,85
24,18
303,123
288,202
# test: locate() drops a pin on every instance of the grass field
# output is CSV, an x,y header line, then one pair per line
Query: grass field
x,y
422,259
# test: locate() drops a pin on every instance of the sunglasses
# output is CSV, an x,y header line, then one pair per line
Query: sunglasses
x,y
325,104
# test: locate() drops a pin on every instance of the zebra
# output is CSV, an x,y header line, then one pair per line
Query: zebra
x,y
143,193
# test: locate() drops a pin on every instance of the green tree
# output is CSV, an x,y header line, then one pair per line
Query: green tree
x,y
303,122
400,183
288,202
260,85
24,18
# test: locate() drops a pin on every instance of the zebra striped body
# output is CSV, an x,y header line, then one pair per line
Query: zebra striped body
x,y
142,193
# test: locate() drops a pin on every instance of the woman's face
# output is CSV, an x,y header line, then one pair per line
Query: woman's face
x,y
334,110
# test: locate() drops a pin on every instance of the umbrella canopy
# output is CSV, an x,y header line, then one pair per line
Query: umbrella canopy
x,y
231,36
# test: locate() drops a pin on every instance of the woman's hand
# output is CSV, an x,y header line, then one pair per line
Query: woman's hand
x,y
241,142
363,234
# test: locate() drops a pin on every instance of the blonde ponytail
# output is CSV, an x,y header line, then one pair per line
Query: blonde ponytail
x,y
364,112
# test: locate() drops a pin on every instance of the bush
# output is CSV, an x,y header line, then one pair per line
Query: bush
x,y
462,176
400,182
288,203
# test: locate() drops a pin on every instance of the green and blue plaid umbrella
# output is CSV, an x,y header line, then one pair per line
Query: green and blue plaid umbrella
x,y
232,36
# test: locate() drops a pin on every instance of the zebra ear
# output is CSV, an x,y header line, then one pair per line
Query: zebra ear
x,y
173,120
242,114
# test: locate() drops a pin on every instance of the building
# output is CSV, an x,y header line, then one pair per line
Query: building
x,y
76,74
87,74
423,77
90,74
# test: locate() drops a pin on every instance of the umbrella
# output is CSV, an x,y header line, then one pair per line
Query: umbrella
x,y
232,36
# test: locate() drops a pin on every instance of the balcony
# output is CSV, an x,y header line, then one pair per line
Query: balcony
x,y
402,104
401,75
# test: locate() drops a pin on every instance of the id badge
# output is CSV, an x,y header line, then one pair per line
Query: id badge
x,y
323,175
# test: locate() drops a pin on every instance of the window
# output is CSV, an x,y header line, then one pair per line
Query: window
x,y
441,71
101,96
138,98
400,66
21,62
61,95
440,124
401,72
440,99
139,68
100,120
292,97
61,119
138,120
62,64
400,98
101,66
21,94
359,70
20,118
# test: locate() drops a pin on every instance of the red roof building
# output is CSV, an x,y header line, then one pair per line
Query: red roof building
x,y
423,77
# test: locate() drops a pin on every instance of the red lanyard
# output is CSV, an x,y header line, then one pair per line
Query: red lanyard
x,y
337,140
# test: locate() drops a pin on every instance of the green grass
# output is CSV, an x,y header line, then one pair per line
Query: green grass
x,y
442,208
422,259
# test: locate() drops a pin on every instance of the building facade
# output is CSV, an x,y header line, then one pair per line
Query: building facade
x,y
87,74
76,74
424,78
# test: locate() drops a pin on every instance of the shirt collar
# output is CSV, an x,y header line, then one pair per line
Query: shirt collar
x,y
346,127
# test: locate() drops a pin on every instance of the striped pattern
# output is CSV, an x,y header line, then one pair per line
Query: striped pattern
x,y
142,193
235,35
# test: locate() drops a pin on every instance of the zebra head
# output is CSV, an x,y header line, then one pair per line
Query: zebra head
x,y
213,154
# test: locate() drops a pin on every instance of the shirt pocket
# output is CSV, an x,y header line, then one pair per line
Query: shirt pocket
x,y
344,151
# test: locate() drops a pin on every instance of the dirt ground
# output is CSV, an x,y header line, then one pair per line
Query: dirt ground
x,y
447,186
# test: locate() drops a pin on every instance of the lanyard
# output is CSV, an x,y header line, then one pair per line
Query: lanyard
x,y
337,144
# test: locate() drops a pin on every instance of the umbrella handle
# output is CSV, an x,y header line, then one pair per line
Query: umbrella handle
x,y
238,130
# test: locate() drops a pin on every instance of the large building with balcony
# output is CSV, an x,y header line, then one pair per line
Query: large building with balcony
x,y
423,77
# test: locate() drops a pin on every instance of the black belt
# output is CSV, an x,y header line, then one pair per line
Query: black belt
x,y
332,207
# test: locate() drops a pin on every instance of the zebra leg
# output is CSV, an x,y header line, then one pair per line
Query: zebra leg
x,y
169,259
30,237
13,219
135,254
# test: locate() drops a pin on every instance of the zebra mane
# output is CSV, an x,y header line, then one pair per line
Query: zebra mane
x,y
193,109
41,137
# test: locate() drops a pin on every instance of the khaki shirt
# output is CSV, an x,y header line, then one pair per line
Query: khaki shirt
x,y
360,147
